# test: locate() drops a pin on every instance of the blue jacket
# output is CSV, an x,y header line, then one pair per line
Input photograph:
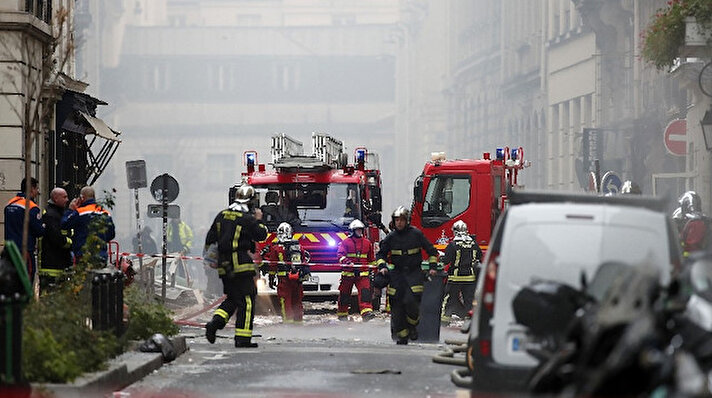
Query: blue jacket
x,y
81,221
15,217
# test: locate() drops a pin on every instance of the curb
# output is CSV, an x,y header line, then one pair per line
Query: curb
x,y
123,371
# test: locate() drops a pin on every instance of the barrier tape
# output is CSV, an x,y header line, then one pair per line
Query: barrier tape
x,y
264,262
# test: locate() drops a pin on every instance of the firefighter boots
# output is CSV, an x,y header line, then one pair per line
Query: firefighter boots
x,y
211,329
402,342
413,333
368,316
244,344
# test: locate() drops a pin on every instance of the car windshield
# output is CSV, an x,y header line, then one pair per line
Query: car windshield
x,y
309,205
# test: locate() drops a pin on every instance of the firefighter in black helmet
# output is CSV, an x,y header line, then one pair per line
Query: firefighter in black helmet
x,y
402,248
235,231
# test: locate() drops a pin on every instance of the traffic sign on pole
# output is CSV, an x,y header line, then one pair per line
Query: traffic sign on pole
x,y
675,136
611,183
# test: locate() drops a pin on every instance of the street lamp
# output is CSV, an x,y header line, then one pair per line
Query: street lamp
x,y
706,124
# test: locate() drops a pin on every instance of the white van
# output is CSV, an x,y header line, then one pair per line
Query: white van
x,y
555,237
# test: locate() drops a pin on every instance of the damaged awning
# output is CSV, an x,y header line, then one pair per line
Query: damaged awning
x,y
99,142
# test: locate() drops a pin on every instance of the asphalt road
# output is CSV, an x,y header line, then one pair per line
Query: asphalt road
x,y
321,358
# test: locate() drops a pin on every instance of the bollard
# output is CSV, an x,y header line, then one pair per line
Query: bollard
x,y
15,293
108,300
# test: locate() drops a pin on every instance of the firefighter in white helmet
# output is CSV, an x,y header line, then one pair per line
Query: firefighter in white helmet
x,y
462,260
289,262
355,254
235,230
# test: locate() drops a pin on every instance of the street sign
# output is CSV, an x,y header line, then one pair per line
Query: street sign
x,y
675,136
164,186
156,211
611,183
136,174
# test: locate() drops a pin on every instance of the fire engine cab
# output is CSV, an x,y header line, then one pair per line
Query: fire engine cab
x,y
318,195
471,190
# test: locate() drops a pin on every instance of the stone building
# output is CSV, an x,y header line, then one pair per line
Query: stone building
x,y
69,146
198,83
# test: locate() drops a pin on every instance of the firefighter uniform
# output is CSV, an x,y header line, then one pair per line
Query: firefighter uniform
x,y
405,290
235,231
287,262
355,251
55,254
461,258
14,220
89,219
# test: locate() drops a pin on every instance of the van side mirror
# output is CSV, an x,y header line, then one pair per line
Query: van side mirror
x,y
418,190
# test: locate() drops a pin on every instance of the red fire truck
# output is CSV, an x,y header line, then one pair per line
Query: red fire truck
x,y
471,190
319,195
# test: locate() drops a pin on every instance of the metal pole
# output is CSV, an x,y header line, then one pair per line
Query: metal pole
x,y
142,281
164,203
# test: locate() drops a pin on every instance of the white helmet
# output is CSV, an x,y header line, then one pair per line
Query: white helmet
x,y
356,224
244,194
284,232
459,229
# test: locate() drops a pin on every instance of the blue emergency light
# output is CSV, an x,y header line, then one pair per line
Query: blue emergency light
x,y
514,153
250,158
360,155
500,154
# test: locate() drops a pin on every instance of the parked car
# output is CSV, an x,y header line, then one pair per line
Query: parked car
x,y
559,237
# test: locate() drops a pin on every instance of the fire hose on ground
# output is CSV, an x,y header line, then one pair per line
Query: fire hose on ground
x,y
460,377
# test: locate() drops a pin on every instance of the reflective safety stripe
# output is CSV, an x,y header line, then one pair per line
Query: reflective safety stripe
x,y
407,252
417,288
354,255
364,273
51,272
403,333
366,310
282,273
311,238
380,261
391,290
458,278
347,273
329,239
236,237
283,309
432,259
241,267
412,321
342,235
243,332
223,314
342,314
248,314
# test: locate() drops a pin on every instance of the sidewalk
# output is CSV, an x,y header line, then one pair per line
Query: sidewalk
x,y
123,371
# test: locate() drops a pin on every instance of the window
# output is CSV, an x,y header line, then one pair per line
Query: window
x,y
447,196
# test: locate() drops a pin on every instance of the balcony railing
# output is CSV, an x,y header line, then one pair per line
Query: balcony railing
x,y
42,9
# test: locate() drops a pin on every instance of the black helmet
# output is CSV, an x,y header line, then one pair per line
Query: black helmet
x,y
380,281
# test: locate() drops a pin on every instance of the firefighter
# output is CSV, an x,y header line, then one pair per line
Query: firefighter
x,y
289,262
56,246
462,259
403,247
14,222
88,219
236,230
179,236
355,250
694,235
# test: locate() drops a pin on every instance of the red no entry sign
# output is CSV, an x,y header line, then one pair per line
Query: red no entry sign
x,y
676,137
